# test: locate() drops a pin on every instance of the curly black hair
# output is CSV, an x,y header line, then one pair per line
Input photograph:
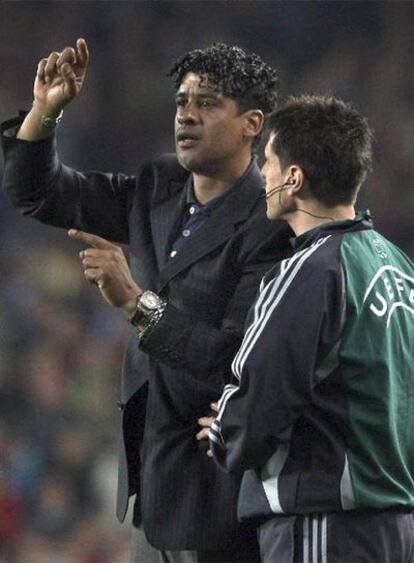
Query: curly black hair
x,y
329,139
234,72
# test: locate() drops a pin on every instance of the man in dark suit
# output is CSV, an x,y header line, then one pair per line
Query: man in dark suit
x,y
199,243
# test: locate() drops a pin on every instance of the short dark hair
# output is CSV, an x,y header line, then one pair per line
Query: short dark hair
x,y
236,73
329,139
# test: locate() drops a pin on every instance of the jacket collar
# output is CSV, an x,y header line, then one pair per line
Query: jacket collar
x,y
361,221
215,231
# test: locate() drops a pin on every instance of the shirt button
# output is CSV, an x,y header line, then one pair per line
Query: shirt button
x,y
173,253
192,209
186,233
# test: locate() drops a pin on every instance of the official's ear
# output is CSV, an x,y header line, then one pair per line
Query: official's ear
x,y
295,177
253,123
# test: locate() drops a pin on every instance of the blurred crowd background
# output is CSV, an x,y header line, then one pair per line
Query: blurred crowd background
x,y
60,345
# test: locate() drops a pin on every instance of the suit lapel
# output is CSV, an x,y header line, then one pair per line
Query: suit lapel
x,y
217,229
166,216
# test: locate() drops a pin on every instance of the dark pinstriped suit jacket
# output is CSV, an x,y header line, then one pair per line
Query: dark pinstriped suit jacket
x,y
183,500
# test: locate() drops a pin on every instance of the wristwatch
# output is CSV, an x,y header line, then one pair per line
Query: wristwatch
x,y
148,303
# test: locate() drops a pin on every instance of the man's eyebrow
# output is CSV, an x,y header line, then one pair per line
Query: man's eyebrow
x,y
198,95
208,95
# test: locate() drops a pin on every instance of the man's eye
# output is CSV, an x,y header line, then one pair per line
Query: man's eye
x,y
180,103
207,104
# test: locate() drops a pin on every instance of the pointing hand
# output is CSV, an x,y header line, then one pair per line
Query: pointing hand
x,y
105,265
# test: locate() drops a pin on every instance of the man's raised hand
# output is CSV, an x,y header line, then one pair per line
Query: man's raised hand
x,y
60,77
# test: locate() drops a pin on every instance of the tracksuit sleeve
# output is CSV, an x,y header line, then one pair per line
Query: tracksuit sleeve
x,y
293,327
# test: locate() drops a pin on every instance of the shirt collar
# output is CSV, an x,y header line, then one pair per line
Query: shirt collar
x,y
218,200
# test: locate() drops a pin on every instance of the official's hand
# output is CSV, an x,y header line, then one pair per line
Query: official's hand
x,y
106,266
205,422
60,77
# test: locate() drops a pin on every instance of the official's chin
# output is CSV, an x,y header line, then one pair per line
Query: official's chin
x,y
270,213
275,214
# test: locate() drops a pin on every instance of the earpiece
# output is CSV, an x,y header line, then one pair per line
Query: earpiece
x,y
289,182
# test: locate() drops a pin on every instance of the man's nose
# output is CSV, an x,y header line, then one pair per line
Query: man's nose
x,y
187,114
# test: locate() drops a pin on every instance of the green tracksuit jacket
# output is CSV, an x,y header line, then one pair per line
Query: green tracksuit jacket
x,y
322,415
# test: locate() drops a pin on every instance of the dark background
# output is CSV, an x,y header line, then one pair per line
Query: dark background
x,y
60,346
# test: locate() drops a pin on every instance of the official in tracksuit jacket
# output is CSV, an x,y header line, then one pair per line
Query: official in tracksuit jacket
x,y
321,415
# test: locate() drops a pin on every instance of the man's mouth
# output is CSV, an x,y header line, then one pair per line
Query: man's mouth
x,y
187,139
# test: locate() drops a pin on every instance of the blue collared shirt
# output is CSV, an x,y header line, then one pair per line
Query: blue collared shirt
x,y
195,213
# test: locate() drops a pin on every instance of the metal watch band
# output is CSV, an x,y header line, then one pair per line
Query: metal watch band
x,y
147,304
138,315
151,321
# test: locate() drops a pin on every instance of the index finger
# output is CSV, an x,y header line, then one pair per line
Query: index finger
x,y
82,53
92,240
206,421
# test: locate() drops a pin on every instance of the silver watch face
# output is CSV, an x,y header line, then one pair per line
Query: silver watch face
x,y
149,300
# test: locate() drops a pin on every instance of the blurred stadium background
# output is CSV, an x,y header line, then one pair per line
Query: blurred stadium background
x,y
60,346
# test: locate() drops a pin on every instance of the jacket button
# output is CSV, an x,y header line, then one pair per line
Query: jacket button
x,y
120,405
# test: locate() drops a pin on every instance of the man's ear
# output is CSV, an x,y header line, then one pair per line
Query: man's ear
x,y
253,123
295,178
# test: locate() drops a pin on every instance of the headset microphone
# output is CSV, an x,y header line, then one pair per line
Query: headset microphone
x,y
289,182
